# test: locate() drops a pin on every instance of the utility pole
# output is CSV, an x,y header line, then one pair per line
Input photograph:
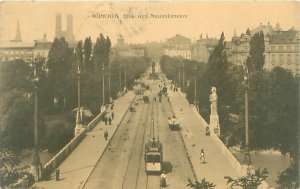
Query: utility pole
x,y
183,82
195,89
103,86
179,84
125,76
247,158
37,165
109,84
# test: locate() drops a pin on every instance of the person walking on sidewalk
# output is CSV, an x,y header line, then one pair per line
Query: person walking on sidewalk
x,y
105,120
109,120
112,115
106,135
202,156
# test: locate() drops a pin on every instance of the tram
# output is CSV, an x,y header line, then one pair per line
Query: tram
x,y
153,156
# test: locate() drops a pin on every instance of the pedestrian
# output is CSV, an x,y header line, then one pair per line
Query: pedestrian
x,y
202,156
105,120
112,115
57,173
109,120
106,135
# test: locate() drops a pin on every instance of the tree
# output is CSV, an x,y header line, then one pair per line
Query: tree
x,y
256,58
88,53
60,64
201,185
250,181
16,106
10,170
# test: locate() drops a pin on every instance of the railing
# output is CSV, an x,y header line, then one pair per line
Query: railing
x,y
63,153
240,169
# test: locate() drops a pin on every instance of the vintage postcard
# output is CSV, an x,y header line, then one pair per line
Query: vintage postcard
x,y
149,94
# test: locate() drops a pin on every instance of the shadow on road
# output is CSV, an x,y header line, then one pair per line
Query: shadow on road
x,y
167,166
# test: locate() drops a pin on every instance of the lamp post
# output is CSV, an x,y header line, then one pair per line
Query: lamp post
x,y
103,85
195,88
109,83
179,84
183,82
120,76
125,76
36,164
247,158
173,75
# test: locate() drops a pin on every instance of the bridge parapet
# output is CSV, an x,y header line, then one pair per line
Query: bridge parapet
x,y
66,150
239,168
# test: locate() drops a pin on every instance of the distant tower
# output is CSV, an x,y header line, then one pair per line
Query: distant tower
x,y
18,32
234,33
58,27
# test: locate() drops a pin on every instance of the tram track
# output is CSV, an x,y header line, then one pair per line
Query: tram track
x,y
153,180
130,181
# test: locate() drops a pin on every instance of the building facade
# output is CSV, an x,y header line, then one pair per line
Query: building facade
x,y
281,48
178,46
203,48
16,50
126,50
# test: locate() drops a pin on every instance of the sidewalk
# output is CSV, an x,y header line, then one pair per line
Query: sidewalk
x,y
193,132
79,164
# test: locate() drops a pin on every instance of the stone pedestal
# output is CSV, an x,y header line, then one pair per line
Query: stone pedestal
x,y
214,124
78,129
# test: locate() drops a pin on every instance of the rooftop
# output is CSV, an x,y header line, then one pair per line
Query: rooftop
x,y
17,44
282,37
43,45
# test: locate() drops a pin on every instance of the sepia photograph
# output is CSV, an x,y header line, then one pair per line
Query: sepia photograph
x,y
149,94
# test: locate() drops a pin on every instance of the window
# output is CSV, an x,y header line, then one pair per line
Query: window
x,y
280,58
273,60
289,59
280,48
273,48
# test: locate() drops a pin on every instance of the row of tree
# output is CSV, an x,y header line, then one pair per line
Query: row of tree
x,y
57,90
273,97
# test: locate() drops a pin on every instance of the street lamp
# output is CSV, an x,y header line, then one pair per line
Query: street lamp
x,y
125,76
78,117
109,83
179,84
120,67
195,81
183,86
103,85
173,81
36,164
247,158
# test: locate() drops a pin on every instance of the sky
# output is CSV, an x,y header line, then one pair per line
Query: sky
x,y
196,18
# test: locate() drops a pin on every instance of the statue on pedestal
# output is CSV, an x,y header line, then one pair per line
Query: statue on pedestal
x,y
214,117
213,98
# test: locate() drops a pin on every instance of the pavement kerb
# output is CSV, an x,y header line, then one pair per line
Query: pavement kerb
x,y
84,183
186,150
